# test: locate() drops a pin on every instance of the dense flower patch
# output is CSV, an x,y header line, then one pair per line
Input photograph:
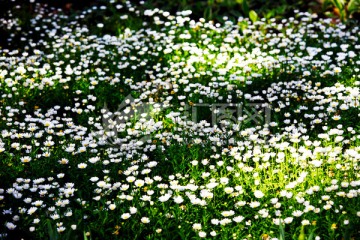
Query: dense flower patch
x,y
179,129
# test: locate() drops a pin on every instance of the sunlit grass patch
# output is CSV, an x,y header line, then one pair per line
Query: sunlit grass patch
x,y
180,128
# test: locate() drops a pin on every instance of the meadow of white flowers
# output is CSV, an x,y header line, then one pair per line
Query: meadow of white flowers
x,y
273,150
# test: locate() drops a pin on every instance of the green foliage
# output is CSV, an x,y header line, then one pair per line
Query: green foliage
x,y
344,8
281,231
353,6
68,173
215,9
302,233
253,16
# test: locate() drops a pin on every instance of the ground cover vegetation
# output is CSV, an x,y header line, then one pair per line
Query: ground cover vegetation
x,y
126,121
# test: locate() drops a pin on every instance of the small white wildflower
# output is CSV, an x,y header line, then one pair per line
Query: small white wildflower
x,y
258,194
196,226
145,220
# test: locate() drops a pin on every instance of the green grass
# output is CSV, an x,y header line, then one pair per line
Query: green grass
x,y
136,123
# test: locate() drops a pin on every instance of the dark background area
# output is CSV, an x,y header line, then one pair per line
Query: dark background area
x,y
24,10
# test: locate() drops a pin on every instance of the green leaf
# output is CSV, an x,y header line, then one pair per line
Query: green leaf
x,y
245,8
339,4
253,16
311,236
327,4
270,14
353,6
51,233
302,233
282,231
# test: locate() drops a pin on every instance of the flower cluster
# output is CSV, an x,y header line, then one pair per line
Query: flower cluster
x,y
129,130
